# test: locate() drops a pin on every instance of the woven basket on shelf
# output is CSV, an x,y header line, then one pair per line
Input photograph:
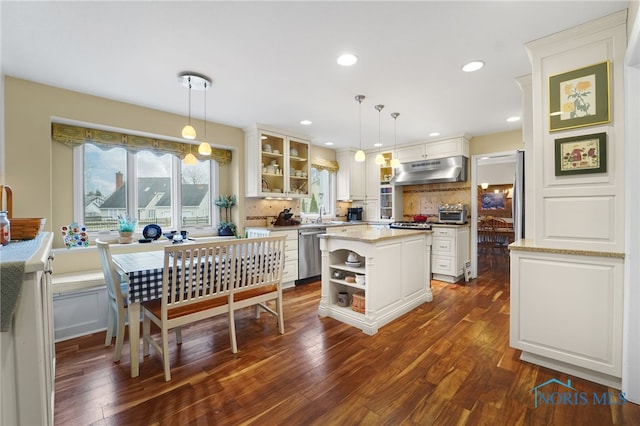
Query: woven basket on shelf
x,y
357,302
21,228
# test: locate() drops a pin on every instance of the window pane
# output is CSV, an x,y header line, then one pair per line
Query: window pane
x,y
105,194
320,192
196,194
154,189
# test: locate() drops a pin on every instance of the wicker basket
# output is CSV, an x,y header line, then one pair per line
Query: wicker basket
x,y
21,228
357,302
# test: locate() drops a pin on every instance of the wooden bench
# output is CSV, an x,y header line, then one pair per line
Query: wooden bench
x,y
208,279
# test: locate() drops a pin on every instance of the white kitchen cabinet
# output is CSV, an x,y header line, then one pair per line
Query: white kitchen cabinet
x,y
277,164
27,350
566,311
450,252
350,176
433,150
290,271
372,180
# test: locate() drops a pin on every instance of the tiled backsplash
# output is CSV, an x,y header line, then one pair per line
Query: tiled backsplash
x,y
261,212
425,199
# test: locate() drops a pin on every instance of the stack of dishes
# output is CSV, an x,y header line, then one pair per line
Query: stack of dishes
x,y
266,147
355,264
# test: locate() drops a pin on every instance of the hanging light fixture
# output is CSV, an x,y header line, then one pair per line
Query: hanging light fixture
x,y
379,158
190,159
188,132
205,148
360,155
394,161
193,81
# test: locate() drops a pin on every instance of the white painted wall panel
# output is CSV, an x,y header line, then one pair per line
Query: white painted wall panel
x,y
587,219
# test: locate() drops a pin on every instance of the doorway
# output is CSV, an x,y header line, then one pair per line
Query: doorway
x,y
493,178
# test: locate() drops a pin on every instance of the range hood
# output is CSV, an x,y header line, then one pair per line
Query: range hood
x,y
450,169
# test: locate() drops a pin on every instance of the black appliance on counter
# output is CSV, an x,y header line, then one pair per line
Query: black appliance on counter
x,y
354,214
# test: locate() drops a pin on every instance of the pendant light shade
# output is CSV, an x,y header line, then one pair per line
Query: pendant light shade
x,y
193,81
205,148
190,159
360,155
395,163
379,158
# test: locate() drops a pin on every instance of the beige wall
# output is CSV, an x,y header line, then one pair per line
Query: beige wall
x,y
496,142
41,171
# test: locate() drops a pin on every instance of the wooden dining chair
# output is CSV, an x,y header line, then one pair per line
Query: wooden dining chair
x,y
193,288
260,280
117,296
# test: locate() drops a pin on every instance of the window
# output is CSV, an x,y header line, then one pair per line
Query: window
x,y
322,184
104,182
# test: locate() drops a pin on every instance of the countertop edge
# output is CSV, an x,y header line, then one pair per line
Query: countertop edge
x,y
528,245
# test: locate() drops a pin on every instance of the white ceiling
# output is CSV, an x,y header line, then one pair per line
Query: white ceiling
x,y
275,62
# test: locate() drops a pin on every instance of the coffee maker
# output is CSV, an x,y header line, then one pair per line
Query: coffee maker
x,y
354,214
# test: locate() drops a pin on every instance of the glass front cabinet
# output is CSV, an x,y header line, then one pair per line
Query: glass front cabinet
x,y
277,164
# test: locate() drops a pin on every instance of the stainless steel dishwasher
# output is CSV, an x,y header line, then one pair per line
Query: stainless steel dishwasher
x,y
309,258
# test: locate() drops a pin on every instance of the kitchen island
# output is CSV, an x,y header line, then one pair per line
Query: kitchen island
x,y
395,264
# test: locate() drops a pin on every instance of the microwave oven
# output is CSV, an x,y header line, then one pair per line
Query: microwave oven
x,y
456,213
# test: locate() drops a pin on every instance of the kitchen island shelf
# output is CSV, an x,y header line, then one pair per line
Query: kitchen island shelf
x,y
343,267
348,284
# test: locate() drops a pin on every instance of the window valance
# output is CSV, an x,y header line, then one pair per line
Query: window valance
x,y
75,135
323,164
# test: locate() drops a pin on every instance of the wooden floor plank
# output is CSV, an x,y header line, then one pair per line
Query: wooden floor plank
x,y
445,363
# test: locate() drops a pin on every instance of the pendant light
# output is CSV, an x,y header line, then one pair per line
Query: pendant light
x,y
379,158
205,148
360,155
190,159
192,81
395,163
188,132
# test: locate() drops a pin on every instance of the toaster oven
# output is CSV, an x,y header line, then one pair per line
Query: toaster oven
x,y
453,213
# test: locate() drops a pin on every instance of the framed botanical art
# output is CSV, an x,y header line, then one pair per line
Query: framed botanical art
x,y
579,98
581,154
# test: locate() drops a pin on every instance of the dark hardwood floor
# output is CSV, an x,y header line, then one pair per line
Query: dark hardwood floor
x,y
447,362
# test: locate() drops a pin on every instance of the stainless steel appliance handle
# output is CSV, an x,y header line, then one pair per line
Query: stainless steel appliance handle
x,y
304,234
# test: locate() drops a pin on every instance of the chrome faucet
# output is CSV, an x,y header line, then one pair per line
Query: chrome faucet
x,y
319,219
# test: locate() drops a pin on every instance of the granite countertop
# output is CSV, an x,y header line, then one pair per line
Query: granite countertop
x,y
529,245
374,235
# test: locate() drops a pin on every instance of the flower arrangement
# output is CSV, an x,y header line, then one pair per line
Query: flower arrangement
x,y
125,223
226,202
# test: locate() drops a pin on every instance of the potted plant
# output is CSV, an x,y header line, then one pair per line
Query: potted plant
x,y
226,227
126,227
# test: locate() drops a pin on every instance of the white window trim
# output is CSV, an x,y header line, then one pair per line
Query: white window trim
x,y
176,208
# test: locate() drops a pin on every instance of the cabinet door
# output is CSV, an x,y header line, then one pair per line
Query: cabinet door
x,y
408,154
371,210
298,171
351,176
272,163
447,148
372,177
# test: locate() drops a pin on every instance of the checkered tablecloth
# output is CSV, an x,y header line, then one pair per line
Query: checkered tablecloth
x,y
145,285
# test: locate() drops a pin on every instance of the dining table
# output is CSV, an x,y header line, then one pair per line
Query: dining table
x,y
143,271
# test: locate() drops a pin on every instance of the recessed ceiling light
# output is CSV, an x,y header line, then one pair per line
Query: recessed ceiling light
x,y
305,122
473,66
328,143
347,59
434,134
512,119
377,144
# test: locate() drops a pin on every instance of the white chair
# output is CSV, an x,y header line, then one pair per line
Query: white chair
x,y
117,293
192,289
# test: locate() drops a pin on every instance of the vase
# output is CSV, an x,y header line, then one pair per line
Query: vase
x,y
224,232
125,238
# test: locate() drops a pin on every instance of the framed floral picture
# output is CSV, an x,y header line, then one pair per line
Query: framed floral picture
x,y
579,98
581,154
